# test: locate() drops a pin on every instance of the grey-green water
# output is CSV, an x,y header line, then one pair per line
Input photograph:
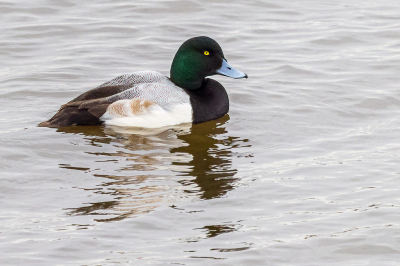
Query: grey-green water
x,y
304,170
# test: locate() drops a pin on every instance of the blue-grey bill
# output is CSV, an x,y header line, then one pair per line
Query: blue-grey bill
x,y
227,70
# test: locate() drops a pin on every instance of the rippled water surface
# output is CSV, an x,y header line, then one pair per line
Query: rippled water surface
x,y
305,169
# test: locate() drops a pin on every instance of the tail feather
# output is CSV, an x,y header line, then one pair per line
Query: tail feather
x,y
72,115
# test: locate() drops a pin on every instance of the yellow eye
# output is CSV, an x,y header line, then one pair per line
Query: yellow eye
x,y
206,52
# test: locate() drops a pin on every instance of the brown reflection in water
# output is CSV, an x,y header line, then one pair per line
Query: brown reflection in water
x,y
144,163
215,230
211,165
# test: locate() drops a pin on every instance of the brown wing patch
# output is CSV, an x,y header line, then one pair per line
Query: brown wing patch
x,y
116,109
140,105
124,108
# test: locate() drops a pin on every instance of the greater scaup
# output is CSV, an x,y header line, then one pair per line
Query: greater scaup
x,y
150,99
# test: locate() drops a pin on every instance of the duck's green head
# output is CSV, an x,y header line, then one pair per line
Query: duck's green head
x,y
198,58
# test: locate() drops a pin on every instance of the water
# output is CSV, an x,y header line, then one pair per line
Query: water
x,y
304,170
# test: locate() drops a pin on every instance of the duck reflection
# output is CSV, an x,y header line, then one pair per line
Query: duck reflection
x,y
147,168
211,164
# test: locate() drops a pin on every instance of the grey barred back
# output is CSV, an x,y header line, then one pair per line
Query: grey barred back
x,y
171,94
136,78
149,85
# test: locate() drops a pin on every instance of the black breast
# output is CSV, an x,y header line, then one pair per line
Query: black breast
x,y
209,102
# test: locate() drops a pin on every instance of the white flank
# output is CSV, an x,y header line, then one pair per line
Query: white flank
x,y
153,117
148,99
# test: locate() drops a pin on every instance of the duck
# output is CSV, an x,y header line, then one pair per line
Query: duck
x,y
150,99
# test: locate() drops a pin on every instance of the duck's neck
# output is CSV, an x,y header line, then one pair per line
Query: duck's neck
x,y
186,72
184,82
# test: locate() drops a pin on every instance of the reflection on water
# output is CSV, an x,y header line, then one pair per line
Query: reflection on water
x,y
145,168
215,230
211,165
